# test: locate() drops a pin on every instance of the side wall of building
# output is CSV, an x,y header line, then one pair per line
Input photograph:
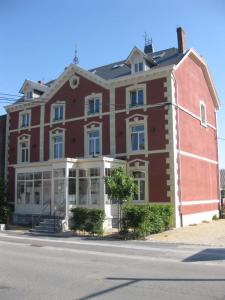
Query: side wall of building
x,y
197,145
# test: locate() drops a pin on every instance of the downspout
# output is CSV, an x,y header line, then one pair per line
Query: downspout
x,y
178,150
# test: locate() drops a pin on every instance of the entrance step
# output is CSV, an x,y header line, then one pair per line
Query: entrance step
x,y
48,226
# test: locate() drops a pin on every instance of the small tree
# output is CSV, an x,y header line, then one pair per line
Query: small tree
x,y
120,187
4,208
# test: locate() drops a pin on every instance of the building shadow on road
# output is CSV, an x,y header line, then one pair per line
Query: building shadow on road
x,y
210,254
130,281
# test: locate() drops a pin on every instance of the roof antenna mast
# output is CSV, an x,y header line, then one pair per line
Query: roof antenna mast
x,y
148,44
75,59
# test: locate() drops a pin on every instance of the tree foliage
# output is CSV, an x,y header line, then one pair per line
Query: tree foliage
x,y
120,188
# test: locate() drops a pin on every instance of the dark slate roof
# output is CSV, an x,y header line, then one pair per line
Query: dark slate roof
x,y
118,69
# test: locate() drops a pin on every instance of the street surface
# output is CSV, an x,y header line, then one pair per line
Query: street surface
x,y
77,268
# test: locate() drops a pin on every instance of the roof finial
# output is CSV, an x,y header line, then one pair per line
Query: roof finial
x,y
76,59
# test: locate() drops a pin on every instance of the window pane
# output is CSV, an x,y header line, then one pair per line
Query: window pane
x,y
59,173
136,67
134,141
28,192
83,190
21,192
47,174
140,97
133,98
97,146
94,172
97,104
37,191
95,191
72,191
142,190
141,141
140,67
91,147
72,172
91,106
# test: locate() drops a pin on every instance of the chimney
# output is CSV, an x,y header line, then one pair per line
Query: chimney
x,y
181,40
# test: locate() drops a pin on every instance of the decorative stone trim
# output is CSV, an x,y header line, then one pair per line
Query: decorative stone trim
x,y
74,81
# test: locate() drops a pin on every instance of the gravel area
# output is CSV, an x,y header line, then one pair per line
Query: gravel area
x,y
207,233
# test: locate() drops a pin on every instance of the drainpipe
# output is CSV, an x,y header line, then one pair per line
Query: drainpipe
x,y
178,150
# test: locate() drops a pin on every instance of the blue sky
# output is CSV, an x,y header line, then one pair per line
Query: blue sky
x,y
38,38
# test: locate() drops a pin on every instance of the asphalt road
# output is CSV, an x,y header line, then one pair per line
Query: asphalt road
x,y
74,268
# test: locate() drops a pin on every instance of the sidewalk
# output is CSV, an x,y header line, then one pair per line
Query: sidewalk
x,y
212,233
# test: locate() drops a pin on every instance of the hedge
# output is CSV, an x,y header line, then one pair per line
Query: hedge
x,y
88,219
143,220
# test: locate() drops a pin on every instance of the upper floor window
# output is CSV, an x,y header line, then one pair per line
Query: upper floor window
x,y
137,137
58,112
136,97
94,142
138,67
203,113
23,149
93,106
139,179
57,144
24,119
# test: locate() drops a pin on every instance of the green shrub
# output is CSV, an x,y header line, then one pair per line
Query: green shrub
x,y
146,219
89,220
4,214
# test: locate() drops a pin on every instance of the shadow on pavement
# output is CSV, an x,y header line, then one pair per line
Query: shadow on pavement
x,y
130,281
207,255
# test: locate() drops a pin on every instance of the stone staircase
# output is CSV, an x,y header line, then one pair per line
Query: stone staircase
x,y
48,226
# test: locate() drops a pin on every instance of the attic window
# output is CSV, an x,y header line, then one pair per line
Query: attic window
x,y
138,67
29,95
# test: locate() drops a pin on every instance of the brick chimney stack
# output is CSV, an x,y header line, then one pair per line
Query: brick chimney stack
x,y
181,40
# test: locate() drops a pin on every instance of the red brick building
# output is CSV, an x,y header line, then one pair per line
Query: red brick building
x,y
154,112
2,144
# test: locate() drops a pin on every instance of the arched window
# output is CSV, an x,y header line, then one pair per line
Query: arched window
x,y
23,149
57,144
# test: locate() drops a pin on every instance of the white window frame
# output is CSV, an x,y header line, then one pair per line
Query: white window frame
x,y
95,126
21,114
29,95
54,133
138,120
93,96
132,88
22,139
140,165
53,107
203,123
138,64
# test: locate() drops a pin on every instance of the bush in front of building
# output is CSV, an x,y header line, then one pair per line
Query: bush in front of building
x,y
4,207
88,220
142,220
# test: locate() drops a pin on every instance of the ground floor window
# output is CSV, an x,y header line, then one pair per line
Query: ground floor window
x,y
139,179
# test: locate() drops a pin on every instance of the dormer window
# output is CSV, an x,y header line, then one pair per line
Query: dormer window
x,y
29,95
138,67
